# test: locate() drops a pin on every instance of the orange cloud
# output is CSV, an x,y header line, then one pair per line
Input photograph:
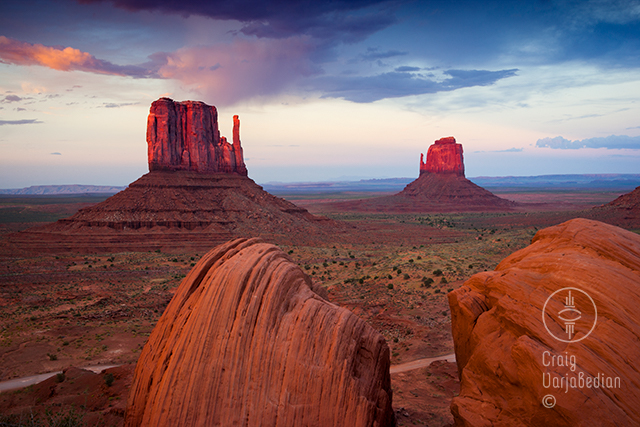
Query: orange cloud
x,y
63,59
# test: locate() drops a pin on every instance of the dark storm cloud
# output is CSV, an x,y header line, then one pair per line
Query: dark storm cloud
x,y
348,21
398,84
609,142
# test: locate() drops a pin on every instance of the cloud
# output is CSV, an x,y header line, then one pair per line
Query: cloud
x,y
228,72
122,104
395,84
406,69
343,20
611,142
12,98
19,122
374,54
56,154
63,59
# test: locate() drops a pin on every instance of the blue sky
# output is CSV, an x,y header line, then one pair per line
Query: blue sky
x,y
324,90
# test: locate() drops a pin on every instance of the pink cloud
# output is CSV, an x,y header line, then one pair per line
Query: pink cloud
x,y
243,69
63,59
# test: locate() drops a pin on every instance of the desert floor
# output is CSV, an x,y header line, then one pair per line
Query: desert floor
x,y
77,310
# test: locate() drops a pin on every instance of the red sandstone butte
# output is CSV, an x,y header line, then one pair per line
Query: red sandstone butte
x,y
185,136
504,350
444,156
246,341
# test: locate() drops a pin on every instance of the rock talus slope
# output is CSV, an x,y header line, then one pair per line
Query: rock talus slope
x,y
245,341
510,356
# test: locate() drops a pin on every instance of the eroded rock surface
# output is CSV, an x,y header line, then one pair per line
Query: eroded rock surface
x,y
444,156
185,136
509,361
245,341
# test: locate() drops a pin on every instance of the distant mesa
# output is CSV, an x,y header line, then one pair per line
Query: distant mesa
x,y
247,341
444,156
196,194
518,348
440,187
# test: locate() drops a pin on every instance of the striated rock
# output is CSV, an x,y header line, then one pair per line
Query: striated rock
x,y
245,341
176,210
185,136
443,157
509,360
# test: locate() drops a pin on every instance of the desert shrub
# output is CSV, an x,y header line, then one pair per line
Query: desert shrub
x,y
60,377
390,286
109,379
52,356
437,272
437,291
406,277
443,280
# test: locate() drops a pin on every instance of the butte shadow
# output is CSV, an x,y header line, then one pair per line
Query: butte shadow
x,y
441,187
197,194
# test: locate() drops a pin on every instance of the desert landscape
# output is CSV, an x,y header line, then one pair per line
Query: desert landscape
x,y
85,293
360,214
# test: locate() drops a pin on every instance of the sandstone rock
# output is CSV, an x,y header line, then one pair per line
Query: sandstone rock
x,y
245,341
629,201
443,157
185,136
505,353
176,210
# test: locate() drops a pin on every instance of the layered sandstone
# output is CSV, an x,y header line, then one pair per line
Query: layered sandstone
x,y
245,341
443,157
509,360
185,136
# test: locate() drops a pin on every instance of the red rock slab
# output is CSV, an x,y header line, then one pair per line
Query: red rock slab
x,y
505,353
245,341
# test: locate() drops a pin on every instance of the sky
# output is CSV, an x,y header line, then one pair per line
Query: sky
x,y
336,90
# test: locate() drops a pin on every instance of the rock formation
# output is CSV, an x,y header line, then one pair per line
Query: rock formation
x,y
441,187
514,346
444,156
629,201
245,341
197,194
185,136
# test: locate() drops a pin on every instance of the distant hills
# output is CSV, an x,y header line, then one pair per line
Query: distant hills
x,y
624,182
53,190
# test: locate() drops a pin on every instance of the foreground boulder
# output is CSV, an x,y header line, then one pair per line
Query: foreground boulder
x,y
530,353
245,341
